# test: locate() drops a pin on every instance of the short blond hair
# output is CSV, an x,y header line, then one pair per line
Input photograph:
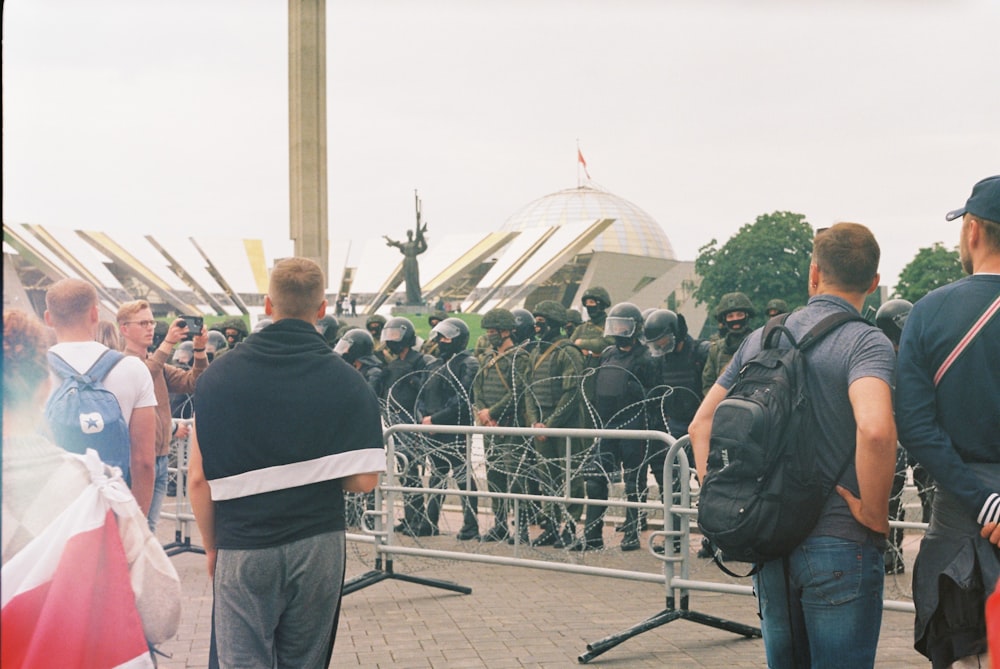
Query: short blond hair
x,y
297,288
68,301
130,309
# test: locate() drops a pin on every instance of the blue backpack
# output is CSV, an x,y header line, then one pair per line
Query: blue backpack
x,y
83,414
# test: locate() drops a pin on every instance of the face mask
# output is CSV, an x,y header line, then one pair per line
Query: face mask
x,y
495,340
395,347
543,330
595,312
449,349
624,343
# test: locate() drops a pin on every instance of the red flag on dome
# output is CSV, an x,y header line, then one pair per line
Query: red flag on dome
x,y
579,157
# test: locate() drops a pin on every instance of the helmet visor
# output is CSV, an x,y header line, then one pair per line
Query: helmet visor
x,y
446,330
393,334
661,346
342,347
616,326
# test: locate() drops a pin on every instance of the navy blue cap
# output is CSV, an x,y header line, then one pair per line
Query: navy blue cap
x,y
983,203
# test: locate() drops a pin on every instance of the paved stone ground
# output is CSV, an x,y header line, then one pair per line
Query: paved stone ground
x,y
521,617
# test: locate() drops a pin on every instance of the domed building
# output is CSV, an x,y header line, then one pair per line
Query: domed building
x,y
560,244
633,232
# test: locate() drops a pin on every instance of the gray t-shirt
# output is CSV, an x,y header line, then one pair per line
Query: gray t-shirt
x,y
853,351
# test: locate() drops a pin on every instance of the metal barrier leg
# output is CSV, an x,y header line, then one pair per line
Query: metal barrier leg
x,y
383,519
671,613
182,508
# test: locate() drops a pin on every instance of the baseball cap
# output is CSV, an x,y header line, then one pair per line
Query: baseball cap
x,y
983,203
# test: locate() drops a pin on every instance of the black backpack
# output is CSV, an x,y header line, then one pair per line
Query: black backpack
x,y
764,490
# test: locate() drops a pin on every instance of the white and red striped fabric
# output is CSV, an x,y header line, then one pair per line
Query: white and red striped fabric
x,y
66,597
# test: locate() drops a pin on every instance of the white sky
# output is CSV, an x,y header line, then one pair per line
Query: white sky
x,y
148,115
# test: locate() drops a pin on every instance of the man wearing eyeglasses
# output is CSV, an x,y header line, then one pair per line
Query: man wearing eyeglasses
x,y
136,325
71,310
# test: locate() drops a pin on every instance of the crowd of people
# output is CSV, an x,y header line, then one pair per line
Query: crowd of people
x,y
621,368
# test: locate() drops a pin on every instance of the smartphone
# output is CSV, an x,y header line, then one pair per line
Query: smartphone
x,y
194,324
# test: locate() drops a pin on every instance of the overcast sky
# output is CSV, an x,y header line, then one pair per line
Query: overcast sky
x,y
159,116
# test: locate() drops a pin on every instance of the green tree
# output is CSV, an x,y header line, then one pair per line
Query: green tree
x,y
931,268
766,259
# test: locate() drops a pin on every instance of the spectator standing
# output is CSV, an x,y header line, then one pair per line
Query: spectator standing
x,y
71,310
283,428
821,606
948,409
41,481
133,322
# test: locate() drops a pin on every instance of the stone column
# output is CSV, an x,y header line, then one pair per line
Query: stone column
x,y
307,129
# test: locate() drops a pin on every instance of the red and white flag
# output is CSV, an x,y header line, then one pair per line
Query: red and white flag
x,y
66,597
579,157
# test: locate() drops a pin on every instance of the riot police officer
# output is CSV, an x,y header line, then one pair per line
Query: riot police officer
x,y
447,400
624,375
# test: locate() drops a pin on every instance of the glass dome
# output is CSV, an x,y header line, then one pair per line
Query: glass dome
x,y
634,231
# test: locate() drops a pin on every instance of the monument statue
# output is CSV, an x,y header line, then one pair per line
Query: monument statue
x,y
411,248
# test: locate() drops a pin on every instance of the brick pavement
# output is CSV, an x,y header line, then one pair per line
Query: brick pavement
x,y
519,617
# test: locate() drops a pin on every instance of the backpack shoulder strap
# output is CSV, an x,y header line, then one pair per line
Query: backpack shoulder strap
x,y
104,364
62,368
826,326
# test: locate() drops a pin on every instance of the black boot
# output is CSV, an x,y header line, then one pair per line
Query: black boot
x,y
549,535
470,521
593,532
630,542
499,531
567,538
522,522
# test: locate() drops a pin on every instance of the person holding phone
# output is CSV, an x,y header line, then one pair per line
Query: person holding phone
x,y
136,323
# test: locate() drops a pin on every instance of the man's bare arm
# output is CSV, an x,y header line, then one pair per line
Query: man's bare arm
x,y
142,454
875,454
365,482
700,429
201,501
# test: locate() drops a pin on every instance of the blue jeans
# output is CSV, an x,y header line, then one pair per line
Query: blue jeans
x,y
834,613
159,492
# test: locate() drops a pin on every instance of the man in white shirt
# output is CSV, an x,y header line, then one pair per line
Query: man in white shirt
x,y
71,310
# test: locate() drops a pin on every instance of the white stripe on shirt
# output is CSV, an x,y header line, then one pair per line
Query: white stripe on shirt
x,y
293,475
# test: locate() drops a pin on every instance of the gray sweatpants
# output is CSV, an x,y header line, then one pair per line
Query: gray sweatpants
x,y
278,607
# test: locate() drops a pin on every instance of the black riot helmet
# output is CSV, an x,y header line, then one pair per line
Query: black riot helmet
x,y
374,325
524,325
398,334
624,323
453,329
328,326
891,317
356,343
661,330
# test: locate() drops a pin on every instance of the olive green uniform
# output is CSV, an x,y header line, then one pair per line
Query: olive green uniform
x,y
556,400
500,386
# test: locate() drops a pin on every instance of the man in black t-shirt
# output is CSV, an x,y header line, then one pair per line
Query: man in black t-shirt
x,y
284,428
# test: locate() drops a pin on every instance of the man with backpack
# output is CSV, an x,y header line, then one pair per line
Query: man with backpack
x,y
79,418
821,603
